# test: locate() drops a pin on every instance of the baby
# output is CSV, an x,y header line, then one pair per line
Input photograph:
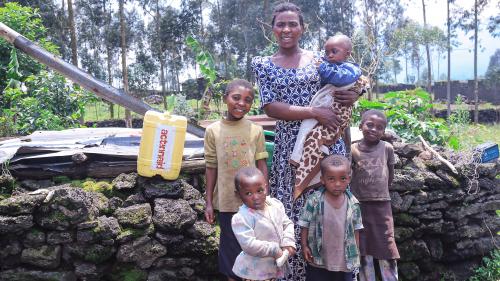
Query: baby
x,y
313,139
262,228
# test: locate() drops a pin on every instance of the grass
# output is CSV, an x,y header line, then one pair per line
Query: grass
x,y
473,135
442,106
99,110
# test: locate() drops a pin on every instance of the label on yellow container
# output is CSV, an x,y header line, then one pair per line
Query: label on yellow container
x,y
163,148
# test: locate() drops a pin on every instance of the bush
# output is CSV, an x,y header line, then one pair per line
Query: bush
x,y
44,102
32,97
409,115
490,270
25,21
458,122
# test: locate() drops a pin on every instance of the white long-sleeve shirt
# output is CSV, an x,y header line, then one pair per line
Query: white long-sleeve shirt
x,y
261,233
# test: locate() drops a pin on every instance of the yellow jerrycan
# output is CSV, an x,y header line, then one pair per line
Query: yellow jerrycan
x,y
162,145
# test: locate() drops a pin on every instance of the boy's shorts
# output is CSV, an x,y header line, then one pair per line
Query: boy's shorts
x,y
320,274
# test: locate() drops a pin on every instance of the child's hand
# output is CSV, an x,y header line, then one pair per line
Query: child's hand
x,y
278,254
291,250
209,214
306,252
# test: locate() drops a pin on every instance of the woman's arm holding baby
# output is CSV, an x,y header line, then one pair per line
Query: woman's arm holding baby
x,y
287,112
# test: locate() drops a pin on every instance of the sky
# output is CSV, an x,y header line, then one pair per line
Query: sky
x,y
462,56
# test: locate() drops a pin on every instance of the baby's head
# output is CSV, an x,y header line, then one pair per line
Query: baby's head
x,y
373,123
251,186
335,174
337,48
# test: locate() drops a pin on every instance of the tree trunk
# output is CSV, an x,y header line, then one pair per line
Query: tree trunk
x,y
395,72
110,81
128,117
162,82
448,80
406,70
160,57
72,30
109,61
428,52
224,50
74,50
476,93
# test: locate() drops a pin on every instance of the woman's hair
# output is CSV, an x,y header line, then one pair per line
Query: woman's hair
x,y
287,7
231,86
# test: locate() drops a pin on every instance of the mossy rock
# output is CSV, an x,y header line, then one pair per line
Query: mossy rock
x,y
127,272
7,184
98,253
128,234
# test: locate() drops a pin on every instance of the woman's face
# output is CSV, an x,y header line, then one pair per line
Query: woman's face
x,y
287,29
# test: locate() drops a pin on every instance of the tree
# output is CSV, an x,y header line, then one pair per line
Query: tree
x,y
493,70
380,20
72,31
140,78
111,42
33,98
128,116
428,52
494,24
448,49
470,22
405,41
27,22
54,19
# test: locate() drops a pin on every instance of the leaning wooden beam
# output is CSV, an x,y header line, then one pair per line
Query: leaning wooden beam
x,y
438,156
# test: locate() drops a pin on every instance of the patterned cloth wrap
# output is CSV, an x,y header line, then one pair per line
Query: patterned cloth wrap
x,y
307,144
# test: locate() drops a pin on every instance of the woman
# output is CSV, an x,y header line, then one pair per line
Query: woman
x,y
287,81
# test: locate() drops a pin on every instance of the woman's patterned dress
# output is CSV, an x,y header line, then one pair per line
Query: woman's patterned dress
x,y
294,86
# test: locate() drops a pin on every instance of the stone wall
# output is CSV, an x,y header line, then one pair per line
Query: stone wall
x,y
441,228
149,229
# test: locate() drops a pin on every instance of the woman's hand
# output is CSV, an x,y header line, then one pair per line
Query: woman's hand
x,y
327,117
291,250
346,98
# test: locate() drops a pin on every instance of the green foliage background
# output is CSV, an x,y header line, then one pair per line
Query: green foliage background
x,y
409,114
34,98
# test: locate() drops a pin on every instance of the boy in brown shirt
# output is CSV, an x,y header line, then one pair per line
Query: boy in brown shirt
x,y
373,172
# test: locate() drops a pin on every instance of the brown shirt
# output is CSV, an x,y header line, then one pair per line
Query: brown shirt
x,y
370,179
333,249
229,146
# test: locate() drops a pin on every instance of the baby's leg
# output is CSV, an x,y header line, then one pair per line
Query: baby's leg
x,y
308,165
